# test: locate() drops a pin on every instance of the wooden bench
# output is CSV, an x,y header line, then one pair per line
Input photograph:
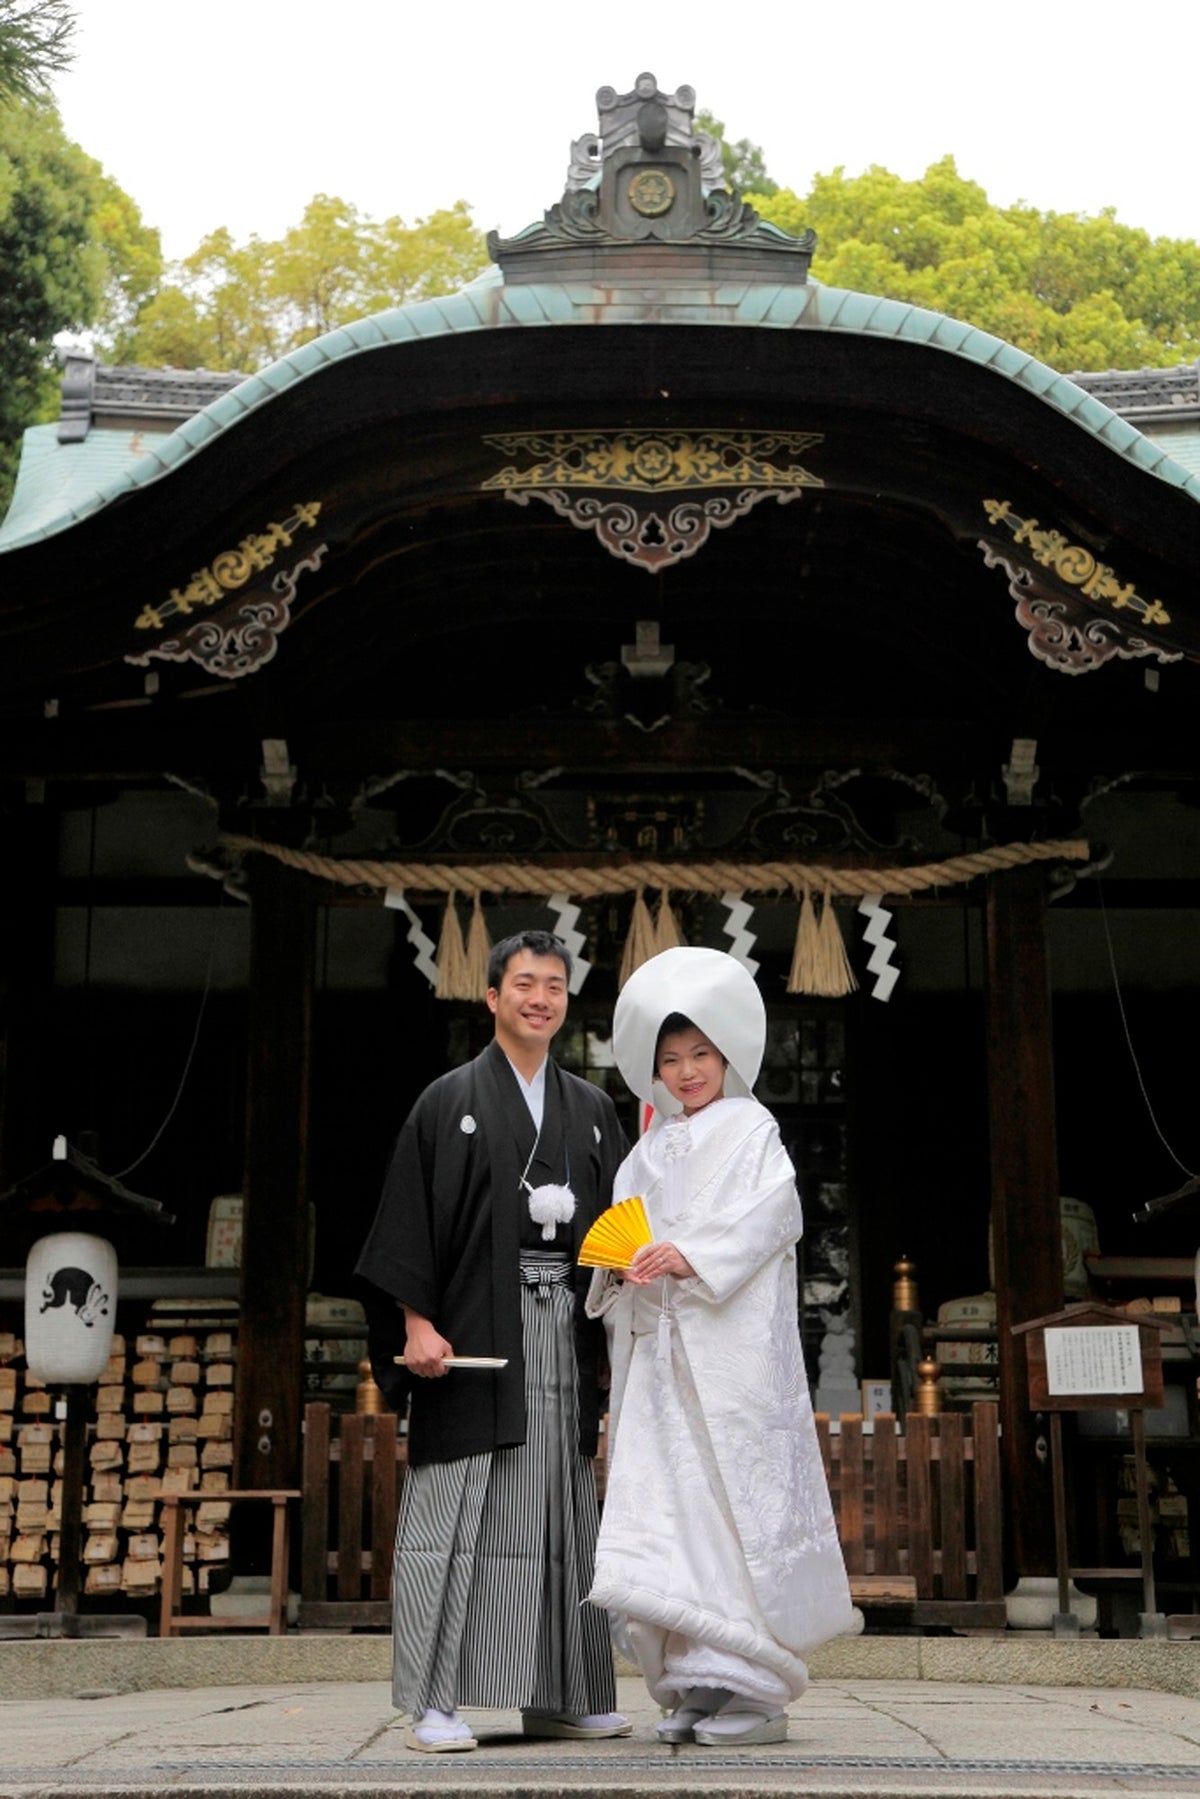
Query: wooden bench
x,y
274,1619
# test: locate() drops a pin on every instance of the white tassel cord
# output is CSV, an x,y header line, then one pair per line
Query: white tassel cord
x,y
551,1206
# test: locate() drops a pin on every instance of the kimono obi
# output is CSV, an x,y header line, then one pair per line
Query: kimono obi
x,y
545,1268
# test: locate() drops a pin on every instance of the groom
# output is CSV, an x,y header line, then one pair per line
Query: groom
x,y
498,1172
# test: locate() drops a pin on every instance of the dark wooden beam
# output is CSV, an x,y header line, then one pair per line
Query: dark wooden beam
x,y
1026,1231
117,750
217,748
275,1233
27,1074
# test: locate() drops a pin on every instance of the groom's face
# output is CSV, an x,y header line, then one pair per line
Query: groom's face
x,y
530,1003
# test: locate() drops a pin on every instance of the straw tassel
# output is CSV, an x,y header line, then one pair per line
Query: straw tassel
x,y
667,934
451,956
803,976
640,944
479,948
835,977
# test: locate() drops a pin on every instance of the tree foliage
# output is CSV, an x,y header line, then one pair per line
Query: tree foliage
x,y
35,45
1077,292
75,256
239,306
745,164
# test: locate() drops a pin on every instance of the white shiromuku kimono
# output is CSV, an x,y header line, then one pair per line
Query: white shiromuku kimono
x,y
718,1549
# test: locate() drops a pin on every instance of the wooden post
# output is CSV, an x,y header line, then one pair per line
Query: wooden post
x,y
1137,1425
70,1528
275,1235
27,919
1026,1233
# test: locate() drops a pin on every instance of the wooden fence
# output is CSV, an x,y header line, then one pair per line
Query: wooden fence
x,y
919,1516
352,1480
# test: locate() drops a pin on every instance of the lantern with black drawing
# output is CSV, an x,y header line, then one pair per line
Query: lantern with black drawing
x,y
65,1217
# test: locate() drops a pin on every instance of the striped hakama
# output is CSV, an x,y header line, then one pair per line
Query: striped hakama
x,y
494,1552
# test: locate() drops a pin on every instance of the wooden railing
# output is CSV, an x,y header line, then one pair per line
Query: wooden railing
x,y
918,1512
353,1471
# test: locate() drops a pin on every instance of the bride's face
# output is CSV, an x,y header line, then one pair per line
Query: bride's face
x,y
691,1068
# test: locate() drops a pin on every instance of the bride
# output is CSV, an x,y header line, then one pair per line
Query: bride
x,y
718,1552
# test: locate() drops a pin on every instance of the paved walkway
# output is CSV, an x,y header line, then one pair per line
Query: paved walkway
x,y
882,1737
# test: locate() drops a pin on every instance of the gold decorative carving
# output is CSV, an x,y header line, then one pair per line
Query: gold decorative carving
x,y
230,570
1068,636
652,193
239,641
642,534
1074,565
654,461
572,471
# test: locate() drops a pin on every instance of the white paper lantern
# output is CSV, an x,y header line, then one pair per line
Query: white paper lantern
x,y
70,1306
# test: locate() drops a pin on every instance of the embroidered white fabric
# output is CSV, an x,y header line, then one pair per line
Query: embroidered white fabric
x,y
717,1543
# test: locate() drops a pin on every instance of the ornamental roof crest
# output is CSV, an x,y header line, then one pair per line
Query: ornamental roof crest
x,y
646,196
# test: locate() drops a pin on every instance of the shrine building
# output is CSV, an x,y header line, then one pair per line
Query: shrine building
x,y
646,585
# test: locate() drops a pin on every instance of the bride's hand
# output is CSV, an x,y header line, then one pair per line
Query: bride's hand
x,y
653,1260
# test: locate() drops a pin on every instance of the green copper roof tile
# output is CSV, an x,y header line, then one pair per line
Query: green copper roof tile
x,y
951,334
792,306
312,356
916,324
257,387
1118,432
1008,360
753,305
887,317
170,452
854,311
1169,470
1181,441
982,347
59,484
364,334
1144,453
1093,413
525,306
198,430
1038,378
276,378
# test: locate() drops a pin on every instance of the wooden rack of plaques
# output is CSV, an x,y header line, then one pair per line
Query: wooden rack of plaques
x,y
160,1421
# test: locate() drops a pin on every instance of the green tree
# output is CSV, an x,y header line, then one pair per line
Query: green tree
x,y
745,164
231,306
75,256
1076,291
35,45
132,265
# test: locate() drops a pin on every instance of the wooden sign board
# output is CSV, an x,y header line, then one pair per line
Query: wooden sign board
x,y
1092,1357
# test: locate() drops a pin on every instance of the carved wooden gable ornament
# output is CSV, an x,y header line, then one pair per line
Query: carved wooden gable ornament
x,y
646,200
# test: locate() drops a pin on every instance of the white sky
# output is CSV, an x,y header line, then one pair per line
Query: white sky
x,y
235,112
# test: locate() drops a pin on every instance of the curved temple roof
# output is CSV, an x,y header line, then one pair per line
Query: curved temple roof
x,y
61,484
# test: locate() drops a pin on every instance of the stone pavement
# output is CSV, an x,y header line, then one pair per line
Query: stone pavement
x,y
851,1738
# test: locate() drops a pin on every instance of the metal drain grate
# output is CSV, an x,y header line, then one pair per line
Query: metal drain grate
x,y
497,1769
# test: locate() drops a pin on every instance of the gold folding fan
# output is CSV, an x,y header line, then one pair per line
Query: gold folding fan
x,y
616,1236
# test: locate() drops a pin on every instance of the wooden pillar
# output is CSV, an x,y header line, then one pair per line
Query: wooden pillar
x,y
29,1087
70,1530
1026,1233
275,1237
